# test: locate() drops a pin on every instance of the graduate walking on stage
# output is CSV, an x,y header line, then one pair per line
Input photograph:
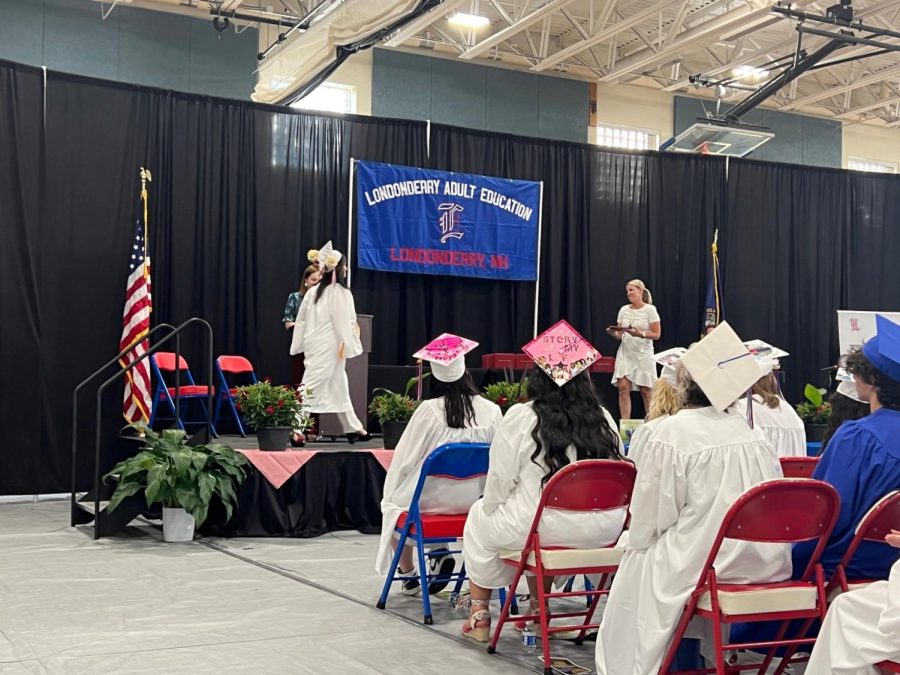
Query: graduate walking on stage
x,y
327,333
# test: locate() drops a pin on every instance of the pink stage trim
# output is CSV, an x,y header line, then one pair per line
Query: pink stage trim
x,y
383,457
278,467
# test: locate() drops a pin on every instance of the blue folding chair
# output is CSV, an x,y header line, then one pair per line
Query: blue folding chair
x,y
233,365
454,460
165,361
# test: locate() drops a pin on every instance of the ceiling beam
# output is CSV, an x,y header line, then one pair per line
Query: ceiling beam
x,y
515,28
422,22
877,76
602,35
695,37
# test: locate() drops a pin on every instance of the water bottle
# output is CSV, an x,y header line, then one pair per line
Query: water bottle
x,y
529,640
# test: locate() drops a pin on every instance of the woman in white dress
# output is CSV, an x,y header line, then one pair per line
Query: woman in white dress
x,y
691,467
457,414
327,333
637,326
776,418
862,628
558,425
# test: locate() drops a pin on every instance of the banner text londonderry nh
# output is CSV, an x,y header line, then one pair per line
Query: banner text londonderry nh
x,y
430,186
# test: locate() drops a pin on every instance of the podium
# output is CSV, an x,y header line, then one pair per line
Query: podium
x,y
357,378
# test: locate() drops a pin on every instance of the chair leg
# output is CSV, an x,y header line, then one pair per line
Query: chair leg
x,y
676,640
792,649
770,655
545,616
717,646
504,612
382,601
423,581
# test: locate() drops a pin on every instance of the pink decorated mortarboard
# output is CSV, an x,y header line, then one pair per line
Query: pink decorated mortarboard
x,y
445,353
561,352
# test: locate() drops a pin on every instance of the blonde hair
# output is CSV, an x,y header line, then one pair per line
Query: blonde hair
x,y
766,388
645,292
663,401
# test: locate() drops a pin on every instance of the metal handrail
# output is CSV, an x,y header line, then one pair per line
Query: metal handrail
x,y
84,382
152,350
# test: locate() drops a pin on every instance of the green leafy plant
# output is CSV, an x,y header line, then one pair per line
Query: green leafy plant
x,y
175,474
815,409
389,406
264,404
506,394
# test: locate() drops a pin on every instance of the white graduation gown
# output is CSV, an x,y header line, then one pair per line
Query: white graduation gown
x,y
862,628
500,520
426,431
691,468
782,426
634,358
320,330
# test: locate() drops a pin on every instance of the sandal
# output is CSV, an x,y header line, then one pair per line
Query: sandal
x,y
478,627
533,608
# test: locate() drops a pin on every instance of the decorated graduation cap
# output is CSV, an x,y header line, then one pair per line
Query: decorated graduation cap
x,y
722,366
766,355
561,352
446,354
326,257
667,360
883,350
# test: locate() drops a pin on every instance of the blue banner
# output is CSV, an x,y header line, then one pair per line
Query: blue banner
x,y
437,222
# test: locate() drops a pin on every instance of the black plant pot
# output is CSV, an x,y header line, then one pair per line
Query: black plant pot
x,y
273,438
392,432
815,432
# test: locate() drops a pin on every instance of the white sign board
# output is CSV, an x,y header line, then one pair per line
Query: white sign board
x,y
854,327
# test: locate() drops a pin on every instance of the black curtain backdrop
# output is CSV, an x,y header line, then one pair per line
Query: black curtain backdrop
x,y
241,191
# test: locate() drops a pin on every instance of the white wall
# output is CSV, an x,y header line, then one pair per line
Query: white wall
x,y
865,141
635,106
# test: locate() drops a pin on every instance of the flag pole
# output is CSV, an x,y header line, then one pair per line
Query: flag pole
x,y
146,177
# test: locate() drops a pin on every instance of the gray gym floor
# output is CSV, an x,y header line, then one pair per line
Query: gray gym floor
x,y
133,604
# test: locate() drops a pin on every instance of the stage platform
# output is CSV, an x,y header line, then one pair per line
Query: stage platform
x,y
326,445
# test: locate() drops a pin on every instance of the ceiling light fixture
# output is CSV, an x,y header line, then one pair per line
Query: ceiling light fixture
x,y
750,73
463,20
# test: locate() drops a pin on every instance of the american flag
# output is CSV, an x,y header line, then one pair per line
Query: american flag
x,y
135,325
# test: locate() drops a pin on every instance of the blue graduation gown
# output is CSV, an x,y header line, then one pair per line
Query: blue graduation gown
x,y
862,461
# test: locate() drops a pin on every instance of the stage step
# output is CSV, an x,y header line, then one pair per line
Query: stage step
x,y
89,506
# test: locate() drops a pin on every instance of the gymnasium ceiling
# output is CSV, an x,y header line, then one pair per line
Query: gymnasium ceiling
x,y
654,43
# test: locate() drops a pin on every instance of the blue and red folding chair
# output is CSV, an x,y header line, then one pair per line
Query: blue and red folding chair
x,y
233,366
161,362
461,461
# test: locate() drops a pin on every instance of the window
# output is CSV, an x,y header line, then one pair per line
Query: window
x,y
873,165
328,97
627,138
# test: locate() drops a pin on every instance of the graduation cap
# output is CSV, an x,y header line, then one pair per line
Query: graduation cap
x,y
883,350
561,352
722,366
446,354
667,360
326,257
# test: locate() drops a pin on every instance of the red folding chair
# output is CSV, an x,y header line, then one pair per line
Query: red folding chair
x,y
234,366
889,667
782,511
590,485
873,526
798,467
161,362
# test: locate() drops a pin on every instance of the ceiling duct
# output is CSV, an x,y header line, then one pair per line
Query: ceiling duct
x,y
297,65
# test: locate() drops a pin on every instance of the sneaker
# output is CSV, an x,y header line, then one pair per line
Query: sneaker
x,y
410,587
440,564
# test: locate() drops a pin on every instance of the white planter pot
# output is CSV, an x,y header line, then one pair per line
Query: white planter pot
x,y
178,525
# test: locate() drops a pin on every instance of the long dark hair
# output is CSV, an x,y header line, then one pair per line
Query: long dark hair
x,y
568,415
458,409
843,409
340,277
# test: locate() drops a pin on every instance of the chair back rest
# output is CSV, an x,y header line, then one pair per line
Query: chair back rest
x,y
166,361
798,467
234,364
460,461
782,511
590,485
878,522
